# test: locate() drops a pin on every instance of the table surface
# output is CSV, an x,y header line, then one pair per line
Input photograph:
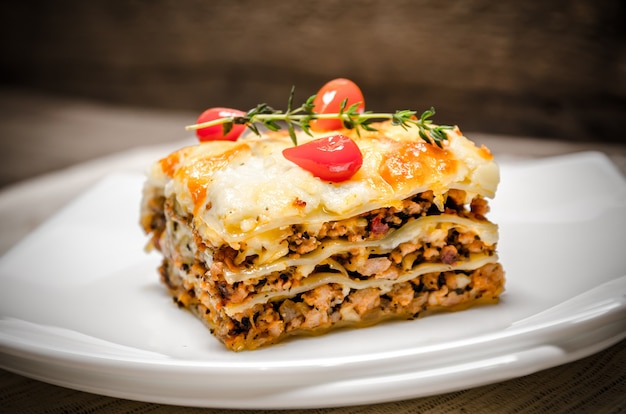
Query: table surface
x,y
37,132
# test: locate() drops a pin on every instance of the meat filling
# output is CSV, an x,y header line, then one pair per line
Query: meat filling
x,y
199,283
330,305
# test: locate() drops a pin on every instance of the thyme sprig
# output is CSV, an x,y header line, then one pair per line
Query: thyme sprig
x,y
351,118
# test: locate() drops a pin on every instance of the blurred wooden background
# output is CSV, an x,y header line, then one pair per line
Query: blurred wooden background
x,y
544,69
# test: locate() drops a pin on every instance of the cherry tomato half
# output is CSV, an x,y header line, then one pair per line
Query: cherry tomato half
x,y
329,98
216,132
335,158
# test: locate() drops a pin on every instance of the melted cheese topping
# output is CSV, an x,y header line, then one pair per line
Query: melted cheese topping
x,y
244,192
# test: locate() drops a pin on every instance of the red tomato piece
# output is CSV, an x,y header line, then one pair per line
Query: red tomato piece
x,y
335,158
329,98
216,132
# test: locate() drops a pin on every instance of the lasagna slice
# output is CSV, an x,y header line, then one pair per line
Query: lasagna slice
x,y
260,249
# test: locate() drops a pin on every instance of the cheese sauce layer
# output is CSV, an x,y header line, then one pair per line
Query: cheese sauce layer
x,y
237,190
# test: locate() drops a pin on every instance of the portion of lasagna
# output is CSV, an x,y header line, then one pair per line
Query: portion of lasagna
x,y
260,249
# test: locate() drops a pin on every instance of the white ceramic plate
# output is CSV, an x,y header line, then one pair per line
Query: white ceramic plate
x,y
81,306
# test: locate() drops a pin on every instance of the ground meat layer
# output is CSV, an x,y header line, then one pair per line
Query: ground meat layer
x,y
330,306
202,288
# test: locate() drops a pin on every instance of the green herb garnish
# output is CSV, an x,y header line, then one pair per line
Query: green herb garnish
x,y
302,116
